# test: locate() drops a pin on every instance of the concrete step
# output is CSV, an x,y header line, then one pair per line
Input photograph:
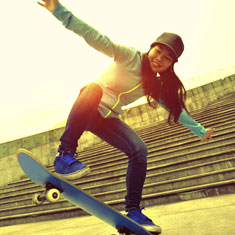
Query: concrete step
x,y
154,176
116,154
160,168
179,130
160,141
198,114
99,148
189,193
180,185
201,116
174,179
161,136
153,166
179,168
159,156
148,200
189,181
115,176
166,153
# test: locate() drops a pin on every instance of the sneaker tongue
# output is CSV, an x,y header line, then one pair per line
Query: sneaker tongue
x,y
70,160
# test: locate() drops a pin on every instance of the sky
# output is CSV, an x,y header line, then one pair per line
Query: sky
x,y
43,65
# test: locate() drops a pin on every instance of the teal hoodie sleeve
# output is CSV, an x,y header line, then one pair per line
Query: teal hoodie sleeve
x,y
186,120
191,124
94,38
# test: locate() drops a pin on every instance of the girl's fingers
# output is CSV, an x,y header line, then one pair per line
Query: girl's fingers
x,y
208,136
41,4
50,5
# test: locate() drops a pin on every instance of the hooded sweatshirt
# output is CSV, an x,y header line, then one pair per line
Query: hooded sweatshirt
x,y
121,82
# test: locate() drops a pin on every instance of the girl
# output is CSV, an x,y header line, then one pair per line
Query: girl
x,y
132,75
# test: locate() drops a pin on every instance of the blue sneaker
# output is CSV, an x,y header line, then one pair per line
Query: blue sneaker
x,y
144,221
67,166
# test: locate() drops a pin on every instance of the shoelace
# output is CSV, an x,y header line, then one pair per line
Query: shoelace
x,y
70,158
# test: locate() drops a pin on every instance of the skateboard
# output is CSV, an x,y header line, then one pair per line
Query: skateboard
x,y
55,186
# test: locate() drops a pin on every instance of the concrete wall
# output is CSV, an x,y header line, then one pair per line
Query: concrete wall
x,y
44,145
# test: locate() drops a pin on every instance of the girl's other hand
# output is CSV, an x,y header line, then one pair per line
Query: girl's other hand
x,y
208,134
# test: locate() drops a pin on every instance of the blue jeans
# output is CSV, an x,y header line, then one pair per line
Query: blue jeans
x,y
84,116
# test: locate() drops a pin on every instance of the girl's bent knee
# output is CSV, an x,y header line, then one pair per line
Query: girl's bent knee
x,y
94,87
92,91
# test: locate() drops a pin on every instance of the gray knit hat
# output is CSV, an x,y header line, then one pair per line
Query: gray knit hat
x,y
172,41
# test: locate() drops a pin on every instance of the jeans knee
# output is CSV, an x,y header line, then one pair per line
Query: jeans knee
x,y
139,155
94,88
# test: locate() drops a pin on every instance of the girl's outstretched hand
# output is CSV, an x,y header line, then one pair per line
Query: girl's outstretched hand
x,y
208,134
50,5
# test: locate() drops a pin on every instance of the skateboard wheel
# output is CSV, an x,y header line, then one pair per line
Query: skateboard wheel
x,y
36,199
53,195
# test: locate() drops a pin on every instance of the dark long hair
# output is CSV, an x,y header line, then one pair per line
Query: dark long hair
x,y
167,87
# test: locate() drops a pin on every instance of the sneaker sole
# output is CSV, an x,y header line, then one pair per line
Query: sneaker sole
x,y
155,230
76,175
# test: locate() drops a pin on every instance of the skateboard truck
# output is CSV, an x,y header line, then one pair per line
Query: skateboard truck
x,y
51,194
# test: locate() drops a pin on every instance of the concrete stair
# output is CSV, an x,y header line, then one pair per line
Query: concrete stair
x,y
179,168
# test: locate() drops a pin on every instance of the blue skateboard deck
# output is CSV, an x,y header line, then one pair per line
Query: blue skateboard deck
x,y
35,170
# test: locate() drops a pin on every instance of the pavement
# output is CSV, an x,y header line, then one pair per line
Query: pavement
x,y
207,216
